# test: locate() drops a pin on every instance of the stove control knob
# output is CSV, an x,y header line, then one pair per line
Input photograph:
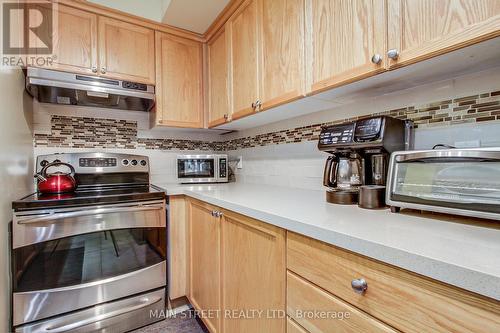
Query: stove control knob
x,y
143,163
125,162
134,162
44,163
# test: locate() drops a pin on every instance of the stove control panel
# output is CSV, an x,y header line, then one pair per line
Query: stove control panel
x,y
97,162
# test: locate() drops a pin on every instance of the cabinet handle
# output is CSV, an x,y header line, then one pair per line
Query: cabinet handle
x,y
359,286
258,104
94,69
218,214
213,213
377,59
254,105
226,116
103,70
393,54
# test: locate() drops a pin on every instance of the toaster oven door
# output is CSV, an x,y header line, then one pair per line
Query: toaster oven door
x,y
197,168
457,179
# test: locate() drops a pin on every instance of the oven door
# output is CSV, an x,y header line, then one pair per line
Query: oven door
x,y
197,169
465,180
71,259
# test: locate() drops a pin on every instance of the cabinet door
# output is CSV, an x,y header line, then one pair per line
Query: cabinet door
x,y
179,94
204,268
282,56
420,29
345,35
74,40
126,51
218,80
244,46
253,274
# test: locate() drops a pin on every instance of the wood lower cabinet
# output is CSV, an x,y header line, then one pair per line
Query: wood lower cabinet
x,y
177,225
283,52
74,40
126,51
204,263
179,83
420,29
403,300
218,80
253,275
344,36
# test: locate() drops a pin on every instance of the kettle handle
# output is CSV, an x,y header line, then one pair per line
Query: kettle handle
x,y
43,172
330,167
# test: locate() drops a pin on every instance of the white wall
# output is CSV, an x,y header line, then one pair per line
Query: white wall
x,y
300,165
153,9
16,155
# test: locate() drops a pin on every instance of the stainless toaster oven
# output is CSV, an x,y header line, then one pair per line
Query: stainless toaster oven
x,y
212,168
456,181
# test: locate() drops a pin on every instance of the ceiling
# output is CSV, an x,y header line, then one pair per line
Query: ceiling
x,y
193,15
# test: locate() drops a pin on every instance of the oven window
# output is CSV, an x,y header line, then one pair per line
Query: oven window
x,y
86,258
459,182
196,168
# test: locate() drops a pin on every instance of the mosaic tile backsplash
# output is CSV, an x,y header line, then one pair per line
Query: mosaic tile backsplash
x,y
79,132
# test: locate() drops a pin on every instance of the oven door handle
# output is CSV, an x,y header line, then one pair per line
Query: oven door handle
x,y
144,302
57,216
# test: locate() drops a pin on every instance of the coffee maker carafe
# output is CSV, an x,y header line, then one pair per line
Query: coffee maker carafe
x,y
359,154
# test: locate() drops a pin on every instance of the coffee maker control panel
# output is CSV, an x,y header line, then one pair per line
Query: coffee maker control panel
x,y
337,134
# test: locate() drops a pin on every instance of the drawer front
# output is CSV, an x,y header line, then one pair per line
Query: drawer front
x,y
401,299
293,327
318,311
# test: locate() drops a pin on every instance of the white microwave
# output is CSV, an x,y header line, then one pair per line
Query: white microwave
x,y
196,169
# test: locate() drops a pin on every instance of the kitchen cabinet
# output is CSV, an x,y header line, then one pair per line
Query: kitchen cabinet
x,y
178,247
179,82
218,80
126,51
244,59
347,40
253,274
405,301
282,52
420,29
204,263
74,40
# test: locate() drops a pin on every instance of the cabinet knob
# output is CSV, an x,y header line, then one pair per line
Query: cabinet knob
x,y
213,213
377,58
103,70
359,285
218,214
393,54
226,116
94,69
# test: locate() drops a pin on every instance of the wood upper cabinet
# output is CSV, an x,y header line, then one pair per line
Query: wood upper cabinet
x,y
283,50
244,58
204,263
420,29
344,36
218,80
74,40
253,274
179,81
126,51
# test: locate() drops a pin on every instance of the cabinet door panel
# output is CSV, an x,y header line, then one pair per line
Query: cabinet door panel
x,y
283,67
421,29
243,27
179,94
345,36
253,274
218,80
204,276
126,51
74,40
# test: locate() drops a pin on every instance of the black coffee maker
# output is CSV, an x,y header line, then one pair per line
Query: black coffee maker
x,y
360,152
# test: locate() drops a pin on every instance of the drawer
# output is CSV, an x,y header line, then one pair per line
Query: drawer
x,y
293,327
318,311
403,300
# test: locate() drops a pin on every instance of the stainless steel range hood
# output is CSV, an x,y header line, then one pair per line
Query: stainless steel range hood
x,y
49,86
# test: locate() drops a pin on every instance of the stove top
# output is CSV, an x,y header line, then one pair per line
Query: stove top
x,y
94,196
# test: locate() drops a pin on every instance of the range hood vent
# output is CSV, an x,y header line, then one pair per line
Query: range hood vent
x,y
49,86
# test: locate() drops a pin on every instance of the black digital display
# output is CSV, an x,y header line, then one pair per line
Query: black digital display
x,y
97,162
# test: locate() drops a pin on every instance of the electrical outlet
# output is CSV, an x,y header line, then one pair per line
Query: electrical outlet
x,y
240,163
468,144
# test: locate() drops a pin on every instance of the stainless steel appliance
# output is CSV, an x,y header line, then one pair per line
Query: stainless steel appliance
x,y
49,86
93,259
211,168
456,181
359,153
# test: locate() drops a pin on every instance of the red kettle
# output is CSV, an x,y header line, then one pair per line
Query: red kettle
x,y
57,182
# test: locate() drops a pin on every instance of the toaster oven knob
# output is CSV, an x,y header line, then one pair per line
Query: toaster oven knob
x,y
134,162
